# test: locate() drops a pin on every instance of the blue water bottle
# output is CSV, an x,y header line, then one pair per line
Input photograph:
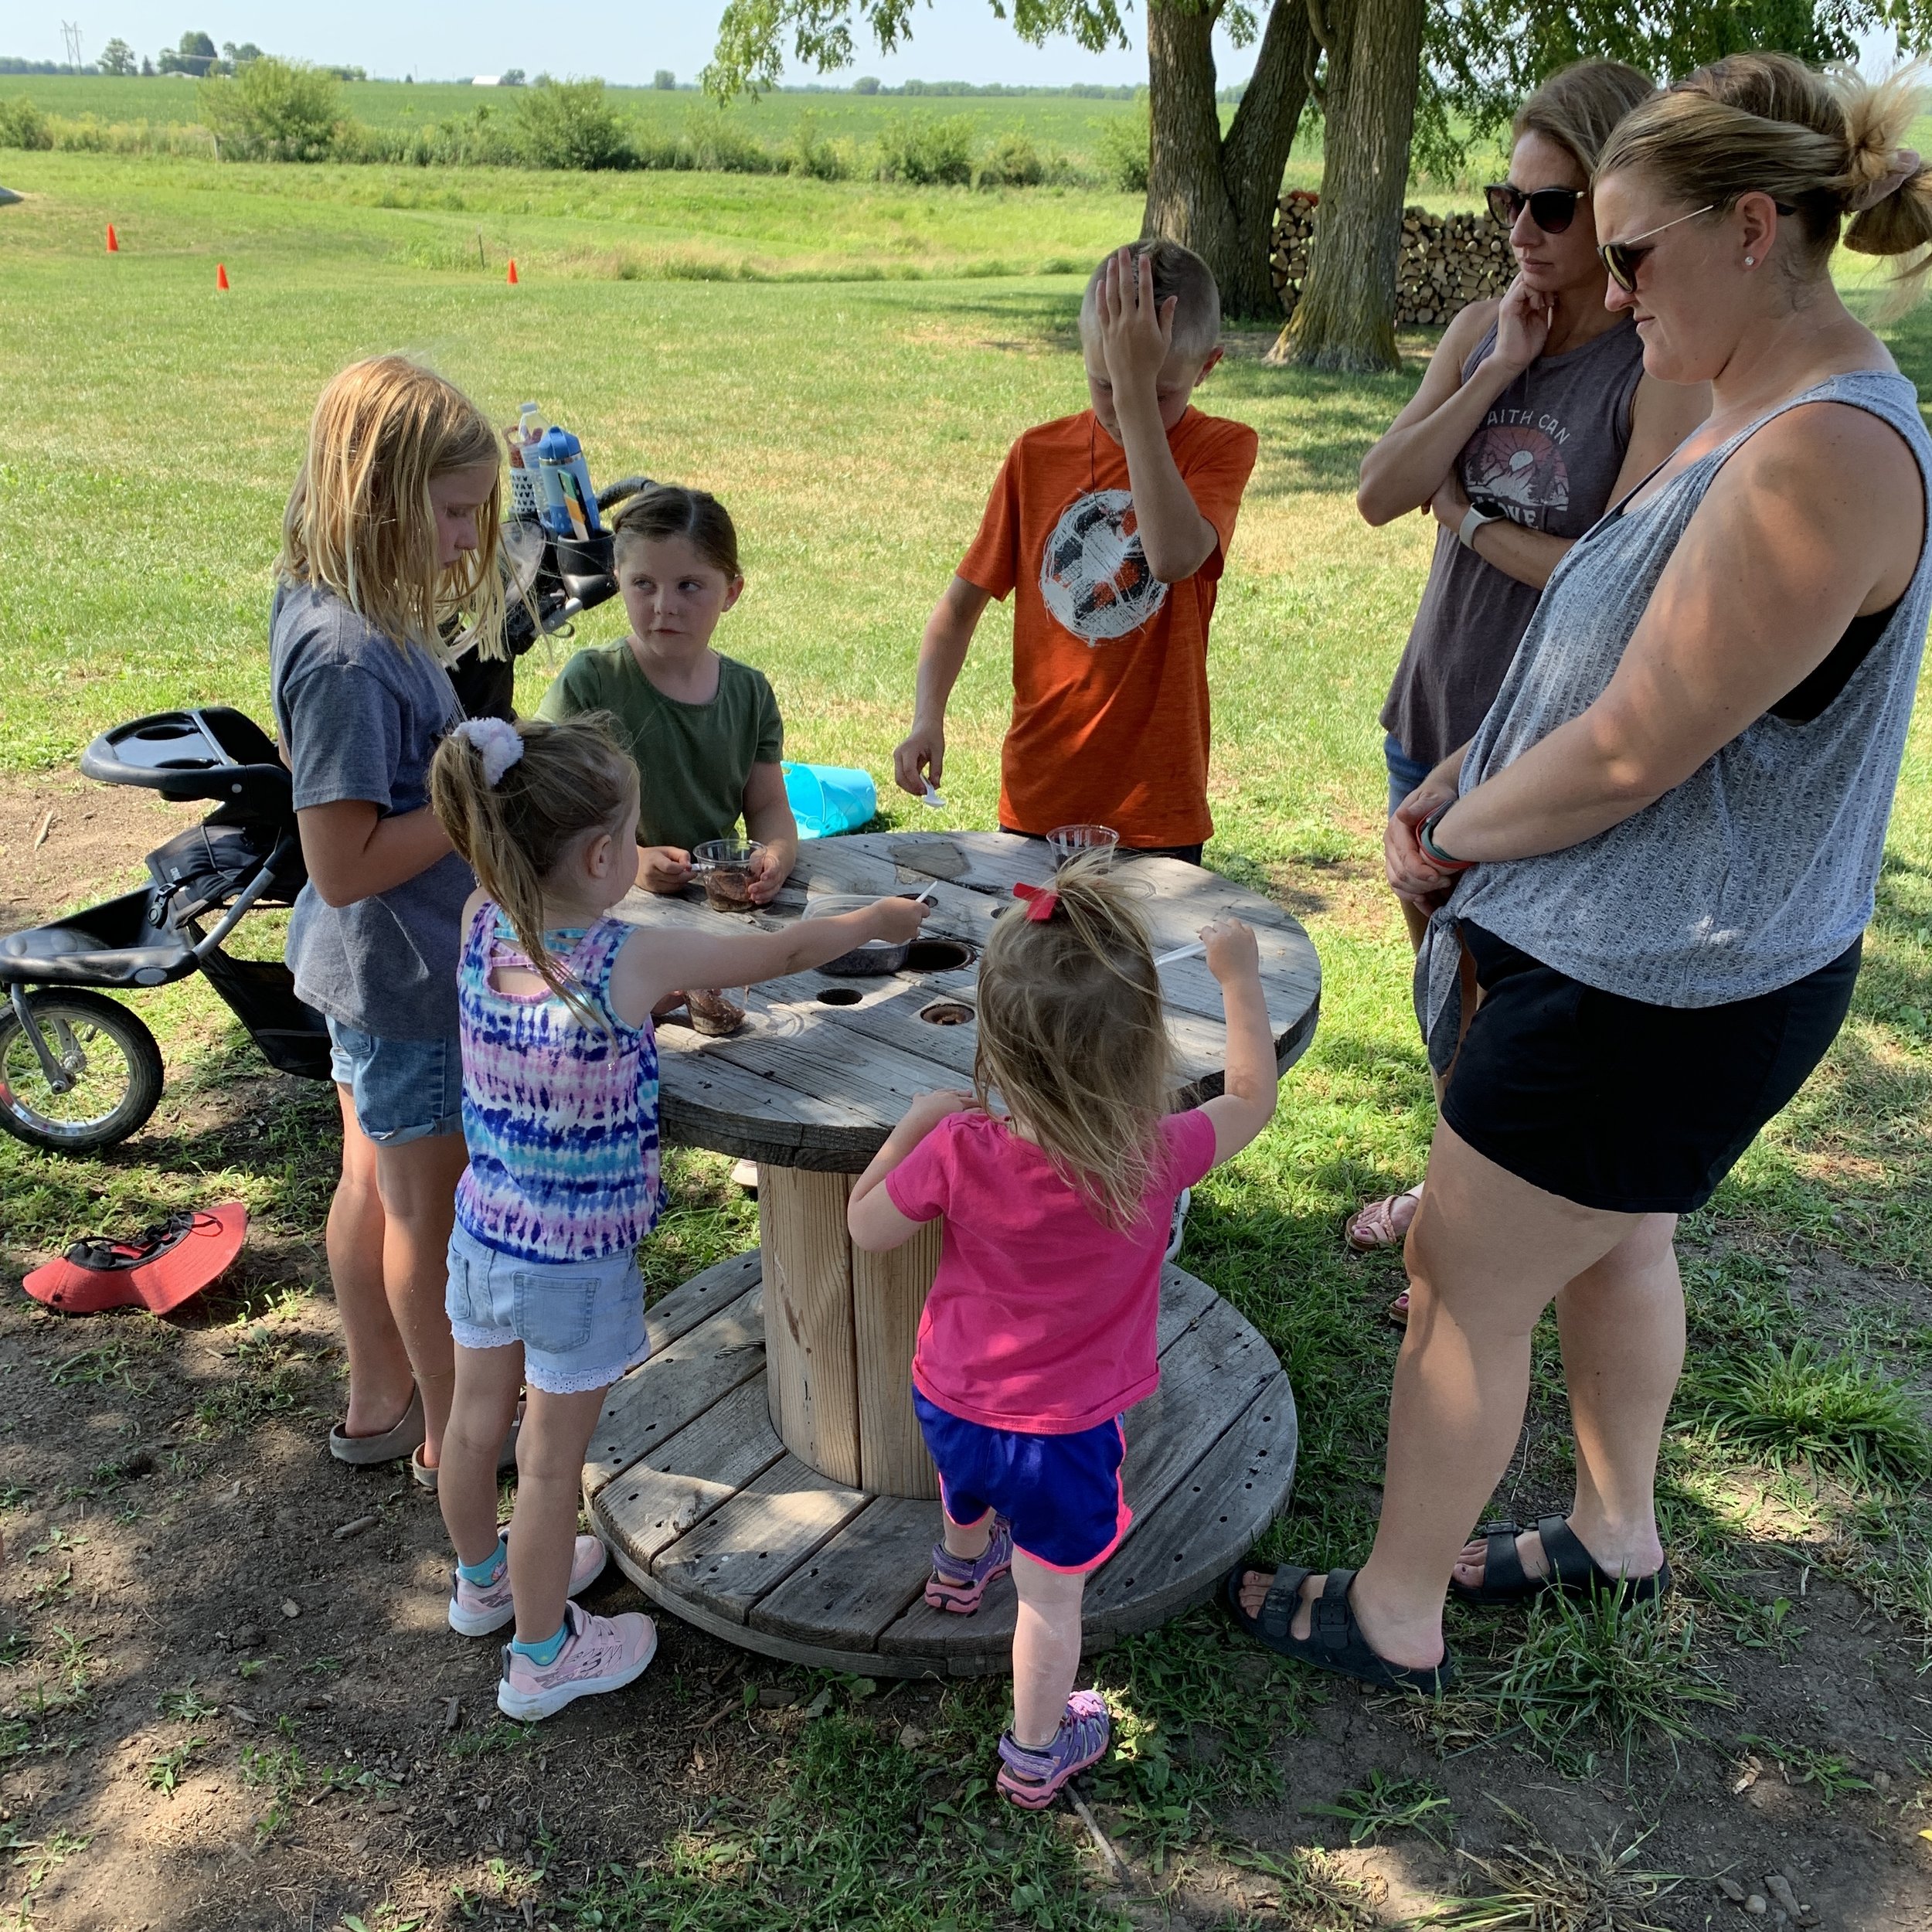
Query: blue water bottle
x,y
569,503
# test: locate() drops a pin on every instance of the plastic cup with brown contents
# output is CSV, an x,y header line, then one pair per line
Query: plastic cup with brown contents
x,y
724,866
717,1011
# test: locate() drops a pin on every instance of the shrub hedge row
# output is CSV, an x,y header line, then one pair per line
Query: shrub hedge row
x,y
277,111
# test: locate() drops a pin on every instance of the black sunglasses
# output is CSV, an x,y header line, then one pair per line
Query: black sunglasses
x,y
1622,260
1552,209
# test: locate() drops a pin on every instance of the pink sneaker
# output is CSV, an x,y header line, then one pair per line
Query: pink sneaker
x,y
600,1654
480,1610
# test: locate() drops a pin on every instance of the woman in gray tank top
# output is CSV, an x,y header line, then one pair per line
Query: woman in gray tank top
x,y
1535,415
1663,851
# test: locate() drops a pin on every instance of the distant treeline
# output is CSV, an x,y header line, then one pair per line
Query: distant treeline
x,y
273,111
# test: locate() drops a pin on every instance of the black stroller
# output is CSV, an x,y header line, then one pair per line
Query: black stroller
x,y
79,1071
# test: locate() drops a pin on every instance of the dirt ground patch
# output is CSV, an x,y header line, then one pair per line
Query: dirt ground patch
x,y
65,841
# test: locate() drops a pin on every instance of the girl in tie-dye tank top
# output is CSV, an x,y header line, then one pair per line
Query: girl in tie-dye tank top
x,y
555,1000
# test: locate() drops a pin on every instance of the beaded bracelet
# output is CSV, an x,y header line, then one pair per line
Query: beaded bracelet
x,y
1425,838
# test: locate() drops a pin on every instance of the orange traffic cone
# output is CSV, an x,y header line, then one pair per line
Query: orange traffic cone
x,y
113,240
221,275
512,277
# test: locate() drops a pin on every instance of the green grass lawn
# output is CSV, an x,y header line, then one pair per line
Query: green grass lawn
x,y
853,421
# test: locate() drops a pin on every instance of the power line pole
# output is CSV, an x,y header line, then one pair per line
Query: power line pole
x,y
70,32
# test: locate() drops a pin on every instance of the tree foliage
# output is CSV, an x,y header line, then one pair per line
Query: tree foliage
x,y
755,36
275,110
569,123
118,58
1481,57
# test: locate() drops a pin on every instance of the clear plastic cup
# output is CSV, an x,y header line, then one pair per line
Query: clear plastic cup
x,y
723,866
1069,842
717,1011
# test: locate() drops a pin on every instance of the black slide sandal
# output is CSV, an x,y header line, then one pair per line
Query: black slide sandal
x,y
1572,1570
1334,1642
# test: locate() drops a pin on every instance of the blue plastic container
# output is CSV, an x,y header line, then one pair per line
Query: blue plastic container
x,y
828,799
569,501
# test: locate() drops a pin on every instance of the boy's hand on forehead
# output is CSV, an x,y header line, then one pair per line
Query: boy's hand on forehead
x,y
1136,332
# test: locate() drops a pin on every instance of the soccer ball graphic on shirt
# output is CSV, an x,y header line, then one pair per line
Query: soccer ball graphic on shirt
x,y
1093,574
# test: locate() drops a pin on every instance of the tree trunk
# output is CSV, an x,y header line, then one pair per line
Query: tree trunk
x,y
1346,318
1218,197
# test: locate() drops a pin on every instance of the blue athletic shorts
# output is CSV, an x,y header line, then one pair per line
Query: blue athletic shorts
x,y
1062,1494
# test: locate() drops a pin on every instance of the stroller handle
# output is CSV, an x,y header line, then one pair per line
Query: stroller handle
x,y
214,751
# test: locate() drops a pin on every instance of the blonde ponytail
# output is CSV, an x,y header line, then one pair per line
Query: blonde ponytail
x,y
571,779
1071,1033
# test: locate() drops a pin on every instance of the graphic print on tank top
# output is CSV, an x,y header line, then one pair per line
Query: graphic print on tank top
x,y
1094,576
1517,465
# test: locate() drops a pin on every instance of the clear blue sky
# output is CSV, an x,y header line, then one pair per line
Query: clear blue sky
x,y
952,40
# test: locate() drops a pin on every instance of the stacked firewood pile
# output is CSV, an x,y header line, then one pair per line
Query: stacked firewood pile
x,y
1447,260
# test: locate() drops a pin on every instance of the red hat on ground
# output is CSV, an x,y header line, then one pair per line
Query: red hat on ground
x,y
160,1268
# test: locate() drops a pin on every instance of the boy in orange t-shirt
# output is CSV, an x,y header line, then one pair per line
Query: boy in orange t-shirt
x,y
1112,527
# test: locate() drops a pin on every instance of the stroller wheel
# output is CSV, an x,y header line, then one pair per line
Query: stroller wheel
x,y
106,1056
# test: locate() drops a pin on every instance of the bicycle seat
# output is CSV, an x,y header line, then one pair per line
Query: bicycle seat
x,y
214,751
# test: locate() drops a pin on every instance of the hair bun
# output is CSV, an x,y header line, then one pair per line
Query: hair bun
x,y
1903,165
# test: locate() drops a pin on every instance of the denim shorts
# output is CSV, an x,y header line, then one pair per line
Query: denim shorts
x,y
1061,1494
1405,773
581,1323
404,1089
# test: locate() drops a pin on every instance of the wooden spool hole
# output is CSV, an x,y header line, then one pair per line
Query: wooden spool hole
x,y
937,956
948,1013
839,996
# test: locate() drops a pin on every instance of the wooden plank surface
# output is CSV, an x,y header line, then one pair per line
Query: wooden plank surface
x,y
1224,1502
787,1649
817,1086
1214,1369
652,1403
888,1296
698,1299
812,1371
647,1506
860,1581
751,1544
727,1530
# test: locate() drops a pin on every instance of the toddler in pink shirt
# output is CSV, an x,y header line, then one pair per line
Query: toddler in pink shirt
x,y
1039,1330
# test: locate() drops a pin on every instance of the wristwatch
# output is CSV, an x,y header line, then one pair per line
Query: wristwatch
x,y
1473,519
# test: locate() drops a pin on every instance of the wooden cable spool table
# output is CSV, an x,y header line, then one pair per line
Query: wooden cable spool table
x,y
763,1475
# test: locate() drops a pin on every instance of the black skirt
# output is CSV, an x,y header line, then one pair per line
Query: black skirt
x,y
1616,1104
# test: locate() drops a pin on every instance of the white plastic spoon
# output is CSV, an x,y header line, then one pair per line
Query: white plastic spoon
x,y
1181,952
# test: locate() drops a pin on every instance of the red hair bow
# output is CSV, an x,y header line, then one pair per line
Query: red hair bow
x,y
1040,901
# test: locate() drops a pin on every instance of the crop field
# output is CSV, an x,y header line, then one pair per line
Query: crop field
x,y
845,364
1066,125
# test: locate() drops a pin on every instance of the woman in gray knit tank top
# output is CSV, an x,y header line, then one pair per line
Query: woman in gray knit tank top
x,y
1664,850
1535,415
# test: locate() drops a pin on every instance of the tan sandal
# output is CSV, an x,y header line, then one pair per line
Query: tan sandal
x,y
425,1477
404,1439
1377,1226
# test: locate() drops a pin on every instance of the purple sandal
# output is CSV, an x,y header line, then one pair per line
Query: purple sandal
x,y
1032,1779
958,1583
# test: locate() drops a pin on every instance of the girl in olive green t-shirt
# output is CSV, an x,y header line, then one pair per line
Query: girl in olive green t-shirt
x,y
702,729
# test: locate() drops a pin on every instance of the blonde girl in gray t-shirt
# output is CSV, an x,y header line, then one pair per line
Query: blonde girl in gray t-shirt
x,y
390,529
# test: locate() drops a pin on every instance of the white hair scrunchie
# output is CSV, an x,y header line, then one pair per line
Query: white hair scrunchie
x,y
498,743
